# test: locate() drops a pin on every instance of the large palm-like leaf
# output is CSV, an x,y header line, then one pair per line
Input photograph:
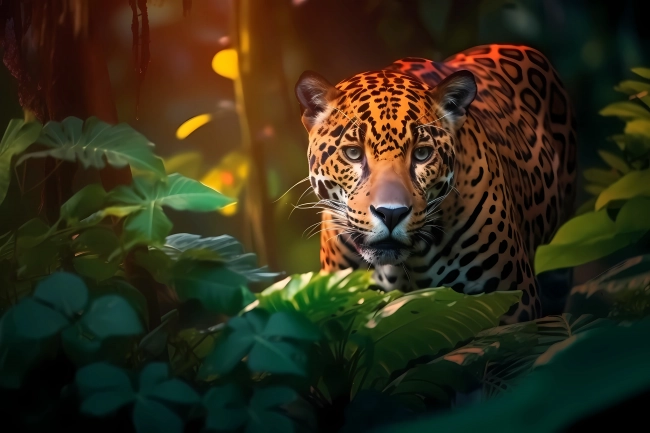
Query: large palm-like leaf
x,y
423,323
553,333
95,143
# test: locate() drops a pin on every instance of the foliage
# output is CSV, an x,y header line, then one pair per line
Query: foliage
x,y
617,356
616,217
314,351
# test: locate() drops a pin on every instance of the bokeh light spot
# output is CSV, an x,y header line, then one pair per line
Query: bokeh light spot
x,y
191,125
225,64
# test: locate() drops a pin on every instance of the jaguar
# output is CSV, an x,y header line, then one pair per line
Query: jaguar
x,y
443,173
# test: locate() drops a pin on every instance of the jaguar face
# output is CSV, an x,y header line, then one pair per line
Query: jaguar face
x,y
381,155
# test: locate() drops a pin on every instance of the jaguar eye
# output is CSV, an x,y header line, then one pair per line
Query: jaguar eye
x,y
353,153
423,153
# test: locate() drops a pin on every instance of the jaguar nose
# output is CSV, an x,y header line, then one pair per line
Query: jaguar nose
x,y
391,217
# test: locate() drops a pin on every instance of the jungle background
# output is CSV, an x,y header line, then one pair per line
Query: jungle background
x,y
128,302
593,46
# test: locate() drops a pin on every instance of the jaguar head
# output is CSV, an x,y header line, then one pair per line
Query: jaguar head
x,y
382,153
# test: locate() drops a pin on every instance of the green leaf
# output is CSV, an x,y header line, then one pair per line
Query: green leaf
x,y
111,316
35,253
18,136
36,321
63,291
227,353
149,225
152,375
587,206
638,127
580,240
621,372
105,403
226,408
117,286
99,241
95,143
157,263
594,235
277,357
632,87
319,296
216,287
179,193
643,72
175,391
221,249
551,334
601,177
633,184
144,199
268,350
149,416
425,322
85,202
95,267
290,325
614,161
625,110
101,377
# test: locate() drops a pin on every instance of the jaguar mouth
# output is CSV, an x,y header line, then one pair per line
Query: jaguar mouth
x,y
388,244
384,252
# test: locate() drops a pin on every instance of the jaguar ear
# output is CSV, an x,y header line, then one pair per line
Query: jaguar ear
x,y
314,93
453,95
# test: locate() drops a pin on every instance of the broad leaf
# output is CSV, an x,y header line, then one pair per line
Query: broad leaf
x,y
34,320
144,199
157,263
36,254
101,377
620,293
552,334
591,236
218,288
270,344
111,316
643,72
638,127
18,136
626,110
63,291
600,176
85,202
227,409
614,161
95,143
320,296
150,416
617,356
222,249
426,322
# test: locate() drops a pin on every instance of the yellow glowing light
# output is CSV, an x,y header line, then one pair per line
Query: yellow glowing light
x,y
192,125
225,63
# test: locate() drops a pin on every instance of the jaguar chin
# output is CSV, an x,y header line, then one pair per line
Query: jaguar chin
x,y
388,251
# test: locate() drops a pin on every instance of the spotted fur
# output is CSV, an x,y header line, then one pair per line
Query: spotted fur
x,y
499,179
